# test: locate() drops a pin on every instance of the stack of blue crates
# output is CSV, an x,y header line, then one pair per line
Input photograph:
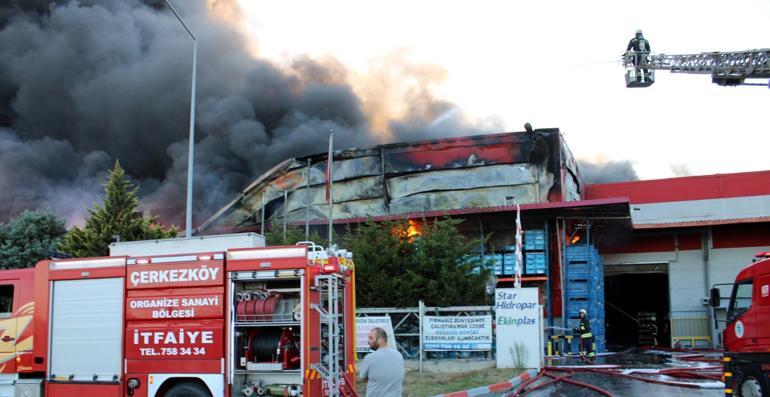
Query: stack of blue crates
x,y
534,252
534,240
497,263
504,264
535,263
584,289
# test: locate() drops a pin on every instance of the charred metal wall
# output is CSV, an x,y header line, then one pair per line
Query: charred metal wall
x,y
403,178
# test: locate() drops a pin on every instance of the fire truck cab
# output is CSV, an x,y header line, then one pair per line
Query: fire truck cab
x,y
747,333
201,317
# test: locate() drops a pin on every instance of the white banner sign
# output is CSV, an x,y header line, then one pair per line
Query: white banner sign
x,y
519,328
457,333
365,324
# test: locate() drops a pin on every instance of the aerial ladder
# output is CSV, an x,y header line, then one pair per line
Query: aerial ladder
x,y
725,68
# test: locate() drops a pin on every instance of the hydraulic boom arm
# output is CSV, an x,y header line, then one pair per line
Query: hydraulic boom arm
x,y
725,68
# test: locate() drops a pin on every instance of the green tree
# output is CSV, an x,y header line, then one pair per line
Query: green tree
x,y
29,238
394,268
443,270
380,252
116,216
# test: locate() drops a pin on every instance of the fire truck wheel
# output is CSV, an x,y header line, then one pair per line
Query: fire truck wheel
x,y
188,389
752,386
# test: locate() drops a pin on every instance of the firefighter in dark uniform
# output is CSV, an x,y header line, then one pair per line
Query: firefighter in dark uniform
x,y
586,338
641,48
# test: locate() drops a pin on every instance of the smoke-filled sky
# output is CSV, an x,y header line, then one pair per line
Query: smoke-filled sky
x,y
84,83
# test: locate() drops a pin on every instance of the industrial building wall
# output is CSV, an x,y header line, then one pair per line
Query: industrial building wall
x,y
727,262
685,274
692,271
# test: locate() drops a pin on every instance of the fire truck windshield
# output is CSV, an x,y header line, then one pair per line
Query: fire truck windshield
x,y
741,299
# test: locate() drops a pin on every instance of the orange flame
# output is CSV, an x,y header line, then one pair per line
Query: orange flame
x,y
413,230
410,230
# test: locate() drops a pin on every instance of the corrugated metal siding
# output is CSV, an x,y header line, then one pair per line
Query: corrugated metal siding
x,y
451,174
471,178
685,188
701,210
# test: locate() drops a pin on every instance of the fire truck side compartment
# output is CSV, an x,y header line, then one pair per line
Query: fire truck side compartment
x,y
87,329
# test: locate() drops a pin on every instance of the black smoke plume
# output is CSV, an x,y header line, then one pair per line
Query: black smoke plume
x,y
83,83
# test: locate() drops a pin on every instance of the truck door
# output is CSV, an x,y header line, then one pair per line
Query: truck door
x,y
763,312
742,324
8,326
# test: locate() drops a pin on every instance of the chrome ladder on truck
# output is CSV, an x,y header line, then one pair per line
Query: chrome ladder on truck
x,y
331,355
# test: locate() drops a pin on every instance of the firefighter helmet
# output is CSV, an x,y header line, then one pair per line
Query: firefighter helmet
x,y
583,312
639,32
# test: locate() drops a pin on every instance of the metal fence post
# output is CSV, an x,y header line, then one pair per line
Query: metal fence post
x,y
420,315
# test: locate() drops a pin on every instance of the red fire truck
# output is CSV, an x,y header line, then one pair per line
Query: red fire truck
x,y
747,333
205,316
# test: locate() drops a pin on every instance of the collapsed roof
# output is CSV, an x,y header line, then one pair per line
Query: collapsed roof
x,y
396,180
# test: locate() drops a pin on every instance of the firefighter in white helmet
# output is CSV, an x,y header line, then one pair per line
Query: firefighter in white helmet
x,y
583,330
641,49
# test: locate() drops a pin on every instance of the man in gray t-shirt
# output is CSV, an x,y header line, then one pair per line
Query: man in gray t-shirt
x,y
383,368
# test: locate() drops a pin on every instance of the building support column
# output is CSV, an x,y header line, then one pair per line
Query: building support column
x,y
706,244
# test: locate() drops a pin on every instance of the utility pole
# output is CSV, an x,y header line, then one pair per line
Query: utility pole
x,y
330,172
191,146
307,202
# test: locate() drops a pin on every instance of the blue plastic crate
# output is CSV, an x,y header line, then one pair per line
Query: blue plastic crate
x,y
534,257
534,240
587,287
583,287
581,252
534,263
578,296
593,282
583,271
534,270
578,270
497,269
581,293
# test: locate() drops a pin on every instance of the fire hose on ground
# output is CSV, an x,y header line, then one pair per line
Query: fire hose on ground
x,y
706,373
520,391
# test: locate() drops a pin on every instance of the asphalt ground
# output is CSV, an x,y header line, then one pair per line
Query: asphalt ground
x,y
636,359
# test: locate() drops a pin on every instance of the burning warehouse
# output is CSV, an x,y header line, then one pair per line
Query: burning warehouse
x,y
639,256
395,180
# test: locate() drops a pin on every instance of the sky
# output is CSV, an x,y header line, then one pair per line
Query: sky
x,y
554,64
86,83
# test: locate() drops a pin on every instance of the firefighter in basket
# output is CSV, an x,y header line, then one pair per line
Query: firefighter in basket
x,y
639,49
